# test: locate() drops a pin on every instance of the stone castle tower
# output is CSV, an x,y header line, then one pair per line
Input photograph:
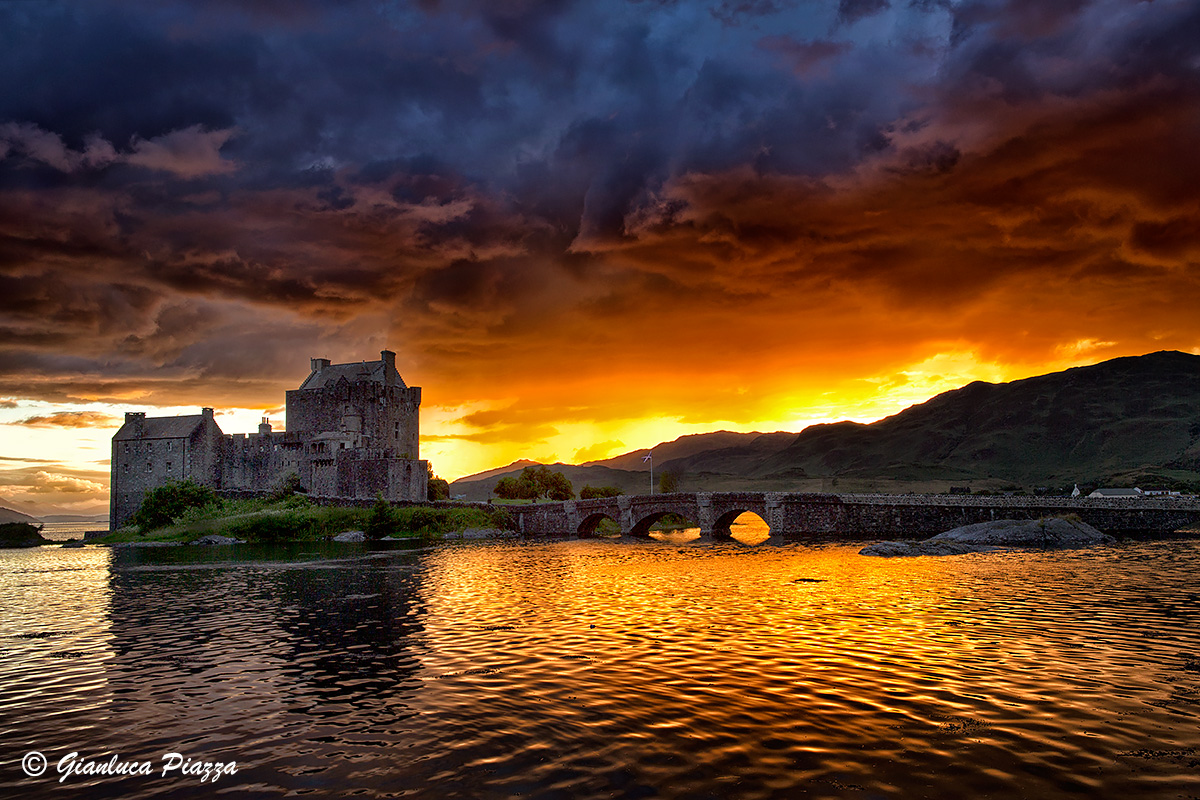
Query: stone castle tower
x,y
352,430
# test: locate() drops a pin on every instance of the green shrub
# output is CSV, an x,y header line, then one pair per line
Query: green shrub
x,y
502,518
382,520
164,504
438,489
592,492
270,527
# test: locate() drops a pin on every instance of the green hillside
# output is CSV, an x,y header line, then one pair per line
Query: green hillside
x,y
1128,416
1128,421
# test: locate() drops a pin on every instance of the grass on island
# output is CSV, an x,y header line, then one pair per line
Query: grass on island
x,y
297,518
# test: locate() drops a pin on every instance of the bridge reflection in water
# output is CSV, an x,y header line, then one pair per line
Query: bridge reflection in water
x,y
851,516
749,528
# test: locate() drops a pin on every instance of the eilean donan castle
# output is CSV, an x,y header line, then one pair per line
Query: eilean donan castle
x,y
352,430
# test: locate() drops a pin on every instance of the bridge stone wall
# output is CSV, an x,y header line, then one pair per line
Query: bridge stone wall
x,y
851,516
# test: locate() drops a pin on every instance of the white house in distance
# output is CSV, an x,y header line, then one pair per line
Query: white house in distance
x,y
1117,493
1135,492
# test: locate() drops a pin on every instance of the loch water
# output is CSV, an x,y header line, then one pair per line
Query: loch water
x,y
672,668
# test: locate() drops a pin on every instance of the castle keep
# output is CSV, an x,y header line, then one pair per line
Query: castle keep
x,y
352,430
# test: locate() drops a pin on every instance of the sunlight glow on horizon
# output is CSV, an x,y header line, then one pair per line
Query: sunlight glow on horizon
x,y
75,458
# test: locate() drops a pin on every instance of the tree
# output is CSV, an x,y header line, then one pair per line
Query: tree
x,y
557,486
436,488
511,488
591,492
535,482
382,520
164,504
668,481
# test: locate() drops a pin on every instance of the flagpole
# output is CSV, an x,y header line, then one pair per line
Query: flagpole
x,y
650,457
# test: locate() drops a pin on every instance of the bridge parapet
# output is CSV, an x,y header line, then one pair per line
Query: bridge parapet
x,y
860,515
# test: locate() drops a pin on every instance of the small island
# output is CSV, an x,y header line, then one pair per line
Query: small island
x,y
21,534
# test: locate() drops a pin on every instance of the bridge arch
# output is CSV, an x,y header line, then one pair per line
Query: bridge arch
x,y
723,524
642,526
590,524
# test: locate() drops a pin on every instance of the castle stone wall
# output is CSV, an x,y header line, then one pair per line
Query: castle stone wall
x,y
147,453
379,417
353,431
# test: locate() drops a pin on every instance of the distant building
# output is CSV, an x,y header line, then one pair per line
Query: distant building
x,y
1116,493
352,431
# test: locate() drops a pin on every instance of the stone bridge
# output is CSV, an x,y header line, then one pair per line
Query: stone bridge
x,y
852,516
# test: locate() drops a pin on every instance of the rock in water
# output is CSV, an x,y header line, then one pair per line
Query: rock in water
x,y
925,548
215,539
350,536
1054,532
1000,534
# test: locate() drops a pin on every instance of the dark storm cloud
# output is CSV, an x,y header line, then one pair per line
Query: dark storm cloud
x,y
806,58
191,191
851,11
738,12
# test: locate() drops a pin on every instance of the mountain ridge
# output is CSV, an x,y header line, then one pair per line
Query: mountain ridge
x,y
1135,417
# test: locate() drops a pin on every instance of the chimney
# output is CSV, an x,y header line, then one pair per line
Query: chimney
x,y
207,413
264,427
138,421
389,360
319,364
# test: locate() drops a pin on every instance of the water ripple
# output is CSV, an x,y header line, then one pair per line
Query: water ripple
x,y
670,668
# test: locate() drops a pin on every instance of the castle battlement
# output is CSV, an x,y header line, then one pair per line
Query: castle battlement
x,y
352,430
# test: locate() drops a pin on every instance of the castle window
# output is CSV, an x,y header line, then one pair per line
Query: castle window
x,y
168,466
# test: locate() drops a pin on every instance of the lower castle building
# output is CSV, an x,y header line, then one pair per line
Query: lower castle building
x,y
352,430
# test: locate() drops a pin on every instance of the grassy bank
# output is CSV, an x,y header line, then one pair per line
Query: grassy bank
x,y
297,518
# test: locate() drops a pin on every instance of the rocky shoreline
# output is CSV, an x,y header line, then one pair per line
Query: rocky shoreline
x,y
1059,533
346,537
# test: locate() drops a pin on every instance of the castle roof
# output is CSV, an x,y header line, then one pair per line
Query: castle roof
x,y
382,372
160,427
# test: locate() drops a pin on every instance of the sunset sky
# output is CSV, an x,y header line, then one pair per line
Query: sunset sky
x,y
584,227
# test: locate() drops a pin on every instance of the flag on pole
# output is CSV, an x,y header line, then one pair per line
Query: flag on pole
x,y
647,457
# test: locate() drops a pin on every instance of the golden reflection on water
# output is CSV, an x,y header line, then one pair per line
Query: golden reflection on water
x,y
55,640
751,654
749,528
746,667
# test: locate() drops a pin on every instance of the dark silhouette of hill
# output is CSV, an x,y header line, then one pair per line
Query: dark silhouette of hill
x,y
9,515
1134,418
753,445
1086,423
